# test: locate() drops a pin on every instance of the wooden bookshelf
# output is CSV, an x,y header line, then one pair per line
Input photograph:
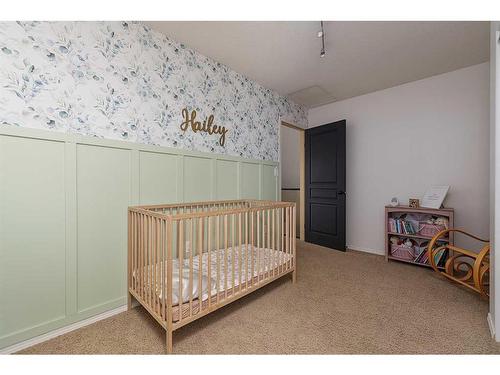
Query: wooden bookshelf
x,y
417,214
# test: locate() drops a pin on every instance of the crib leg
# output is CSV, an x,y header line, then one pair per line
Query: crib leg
x,y
169,347
129,301
294,276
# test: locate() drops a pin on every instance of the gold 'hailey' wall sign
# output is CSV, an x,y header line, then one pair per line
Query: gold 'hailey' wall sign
x,y
206,126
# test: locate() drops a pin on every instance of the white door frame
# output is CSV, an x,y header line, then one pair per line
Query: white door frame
x,y
302,178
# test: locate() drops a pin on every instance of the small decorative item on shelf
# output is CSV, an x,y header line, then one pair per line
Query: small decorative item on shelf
x,y
414,203
394,202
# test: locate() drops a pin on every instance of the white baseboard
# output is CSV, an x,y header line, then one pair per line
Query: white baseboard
x,y
365,250
61,331
491,325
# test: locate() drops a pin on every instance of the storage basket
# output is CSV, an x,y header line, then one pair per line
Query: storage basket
x,y
403,252
429,230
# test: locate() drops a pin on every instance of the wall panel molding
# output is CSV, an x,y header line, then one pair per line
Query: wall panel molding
x,y
98,175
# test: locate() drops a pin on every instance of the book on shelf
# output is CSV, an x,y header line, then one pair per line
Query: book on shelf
x,y
442,260
439,258
401,226
421,256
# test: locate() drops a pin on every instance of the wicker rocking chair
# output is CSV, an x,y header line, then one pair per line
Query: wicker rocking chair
x,y
463,266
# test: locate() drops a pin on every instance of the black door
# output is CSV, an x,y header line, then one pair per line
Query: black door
x,y
325,185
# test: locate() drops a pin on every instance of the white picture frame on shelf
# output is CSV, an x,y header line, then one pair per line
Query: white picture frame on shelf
x,y
434,197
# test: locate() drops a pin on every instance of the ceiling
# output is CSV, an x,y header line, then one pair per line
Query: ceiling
x,y
361,57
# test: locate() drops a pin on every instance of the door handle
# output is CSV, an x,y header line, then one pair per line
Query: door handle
x,y
341,192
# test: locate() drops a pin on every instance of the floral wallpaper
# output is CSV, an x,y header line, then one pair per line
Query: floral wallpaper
x,y
122,80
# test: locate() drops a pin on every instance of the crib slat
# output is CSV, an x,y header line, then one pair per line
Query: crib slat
x,y
129,255
278,239
268,247
246,250
169,240
180,241
284,241
143,249
200,261
273,248
282,234
136,250
150,248
240,256
146,259
191,269
150,260
258,247
139,252
159,265
287,236
225,256
263,244
291,239
233,230
209,249
143,257
251,248
165,277
132,252
155,264
270,243
294,236
217,225
285,232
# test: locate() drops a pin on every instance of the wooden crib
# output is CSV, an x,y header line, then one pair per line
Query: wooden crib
x,y
187,260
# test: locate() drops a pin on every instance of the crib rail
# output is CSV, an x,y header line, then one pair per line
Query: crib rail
x,y
187,260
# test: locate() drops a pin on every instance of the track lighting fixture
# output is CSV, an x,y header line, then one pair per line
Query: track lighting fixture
x,y
321,34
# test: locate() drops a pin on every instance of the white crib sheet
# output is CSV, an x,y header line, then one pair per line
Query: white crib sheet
x,y
268,259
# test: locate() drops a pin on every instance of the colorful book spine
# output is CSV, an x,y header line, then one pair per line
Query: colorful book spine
x,y
400,226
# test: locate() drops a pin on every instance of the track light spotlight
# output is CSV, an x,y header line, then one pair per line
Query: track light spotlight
x,y
321,34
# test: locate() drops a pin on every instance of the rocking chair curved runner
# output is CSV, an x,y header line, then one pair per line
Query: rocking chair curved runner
x,y
463,266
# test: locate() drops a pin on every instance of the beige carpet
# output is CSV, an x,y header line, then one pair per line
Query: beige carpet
x,y
342,303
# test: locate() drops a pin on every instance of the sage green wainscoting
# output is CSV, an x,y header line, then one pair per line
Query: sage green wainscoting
x,y
63,226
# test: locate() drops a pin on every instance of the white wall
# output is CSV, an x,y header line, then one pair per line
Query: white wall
x,y
494,181
404,139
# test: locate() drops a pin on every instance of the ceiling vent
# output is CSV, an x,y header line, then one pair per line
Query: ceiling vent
x,y
312,96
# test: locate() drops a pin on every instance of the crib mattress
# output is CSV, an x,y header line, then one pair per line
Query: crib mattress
x,y
269,259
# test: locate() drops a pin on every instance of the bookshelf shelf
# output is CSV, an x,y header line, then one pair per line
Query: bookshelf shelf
x,y
412,262
404,224
415,236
